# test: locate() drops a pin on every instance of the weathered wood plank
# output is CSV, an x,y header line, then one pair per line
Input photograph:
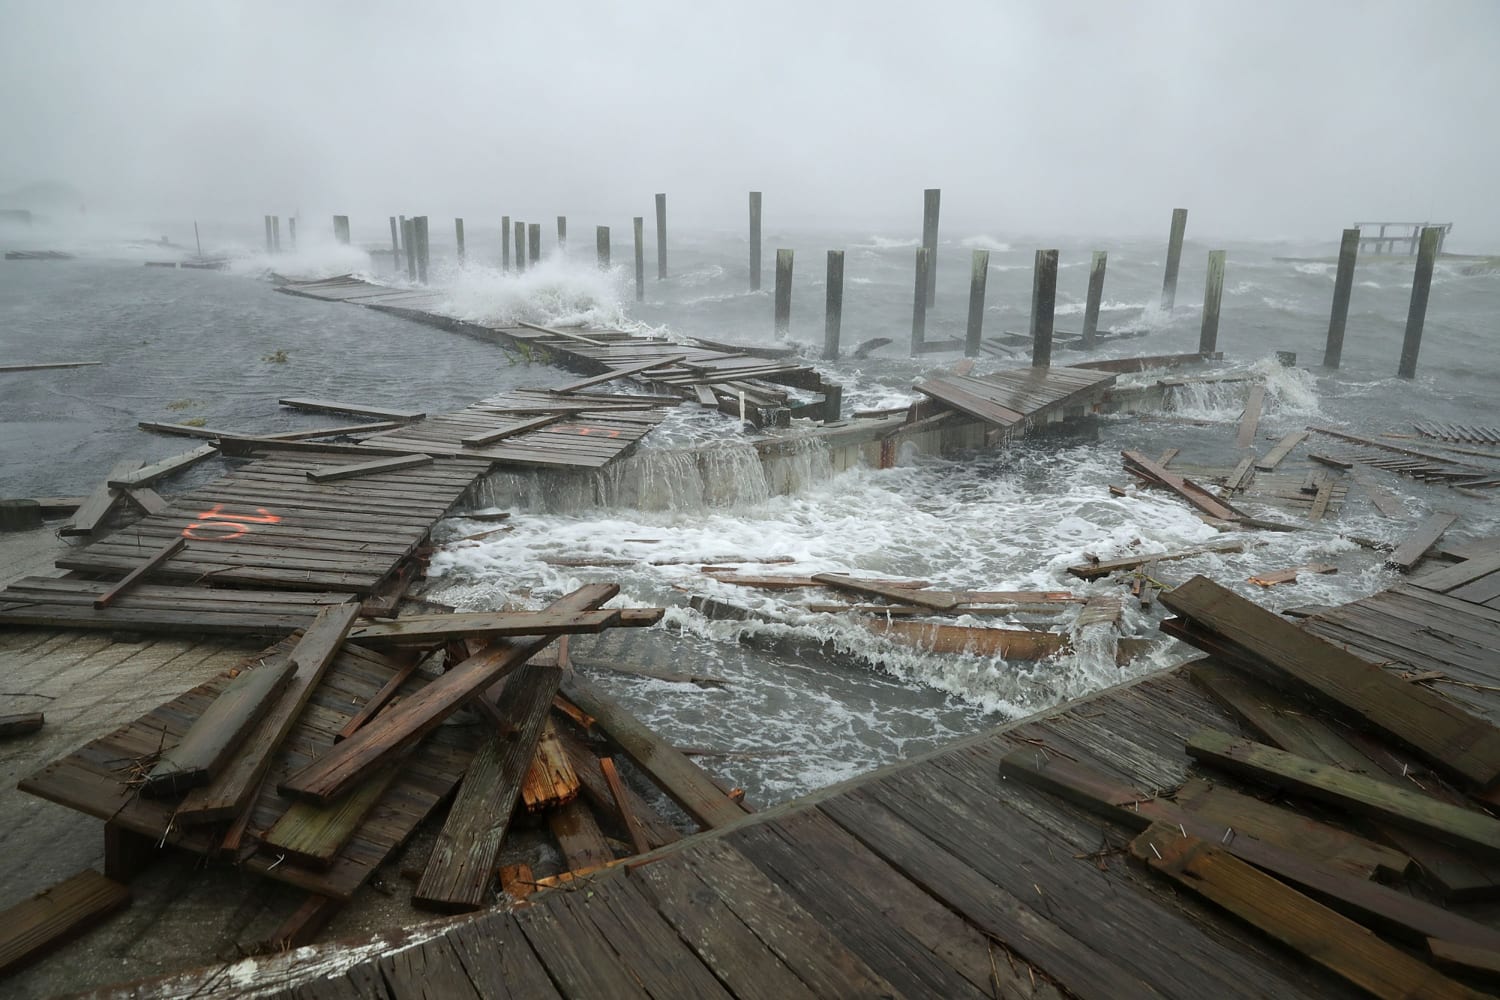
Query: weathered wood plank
x,y
461,868
324,778
313,833
1416,545
614,373
1323,936
148,474
578,837
57,915
1250,419
551,780
352,409
1196,495
1281,450
20,723
330,473
513,430
432,629
591,779
902,595
1094,570
158,557
97,505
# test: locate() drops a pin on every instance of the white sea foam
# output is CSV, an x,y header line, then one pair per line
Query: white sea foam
x,y
1311,267
984,242
557,291
888,243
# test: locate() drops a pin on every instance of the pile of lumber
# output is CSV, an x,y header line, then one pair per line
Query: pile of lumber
x,y
315,759
1373,807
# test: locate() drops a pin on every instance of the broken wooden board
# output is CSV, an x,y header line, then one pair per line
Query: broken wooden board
x,y
1315,931
325,778
1437,728
312,834
1010,644
796,582
158,557
1250,419
483,438
156,471
591,779
900,595
1197,496
1361,795
1095,570
57,915
433,629
202,752
352,409
1281,450
614,373
20,724
1416,545
396,463
97,505
579,838
461,868
1290,575
551,781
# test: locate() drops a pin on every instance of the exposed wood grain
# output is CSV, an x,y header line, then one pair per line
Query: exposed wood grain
x,y
56,915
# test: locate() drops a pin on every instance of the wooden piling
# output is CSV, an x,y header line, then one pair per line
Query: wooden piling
x,y
930,202
601,245
562,233
1096,295
291,226
267,220
755,241
520,232
1043,305
534,243
1213,291
419,227
1174,258
783,292
979,276
834,312
919,300
1343,287
395,246
408,237
276,233
1416,315
639,225
458,237
661,237
341,229
504,243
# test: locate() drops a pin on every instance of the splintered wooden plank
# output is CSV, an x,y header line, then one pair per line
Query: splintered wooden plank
x,y
21,723
1094,570
1282,449
158,557
1418,543
551,780
230,792
578,837
1356,793
1250,419
431,629
1436,727
591,780
57,915
1290,574
1452,577
329,473
148,474
1185,488
614,373
326,777
462,865
146,499
622,806
353,409
1323,936
679,777
96,506
203,750
522,427
901,595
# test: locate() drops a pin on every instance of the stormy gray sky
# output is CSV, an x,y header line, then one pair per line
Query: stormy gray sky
x,y
1264,118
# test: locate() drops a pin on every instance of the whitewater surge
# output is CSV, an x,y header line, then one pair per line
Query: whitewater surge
x,y
556,291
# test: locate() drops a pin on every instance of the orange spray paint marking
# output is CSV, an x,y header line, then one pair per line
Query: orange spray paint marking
x,y
226,527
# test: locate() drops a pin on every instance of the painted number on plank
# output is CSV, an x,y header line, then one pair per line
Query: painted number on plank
x,y
215,525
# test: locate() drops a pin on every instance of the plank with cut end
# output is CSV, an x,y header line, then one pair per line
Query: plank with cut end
x,y
1250,419
614,373
352,409
21,723
1010,643
591,780
158,557
57,915
204,749
1355,793
1323,936
1282,449
1238,477
312,834
1094,570
378,700
578,837
901,595
97,505
1452,577
230,792
51,364
1469,960
550,781
330,473
500,434
303,924
1321,500
679,777
461,868
622,805
1290,574
1440,730
146,499
324,778
1416,545
1185,488
431,629
148,474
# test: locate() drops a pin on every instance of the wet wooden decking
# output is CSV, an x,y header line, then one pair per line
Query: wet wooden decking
x,y
1010,399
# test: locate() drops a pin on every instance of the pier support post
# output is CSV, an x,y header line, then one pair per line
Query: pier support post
x,y
1096,295
409,239
534,244
931,198
562,233
458,237
424,260
505,243
1416,316
601,246
341,229
638,224
267,220
276,233
395,246
1343,286
979,276
833,319
661,237
755,241
291,227
919,301
1043,306
520,231
783,292
1174,258
1213,293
